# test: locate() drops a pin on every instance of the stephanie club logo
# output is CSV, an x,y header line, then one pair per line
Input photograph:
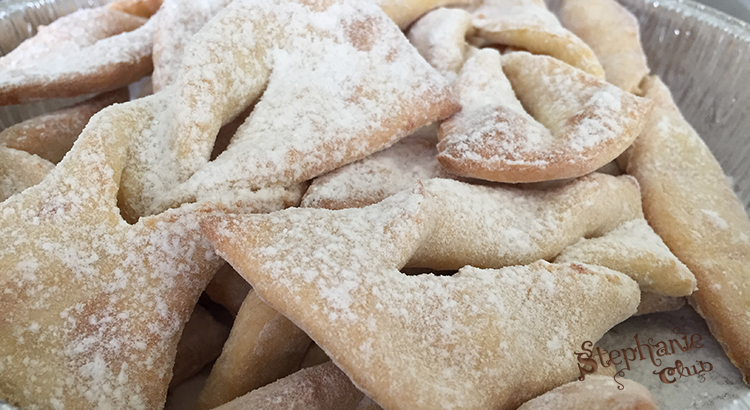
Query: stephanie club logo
x,y
592,357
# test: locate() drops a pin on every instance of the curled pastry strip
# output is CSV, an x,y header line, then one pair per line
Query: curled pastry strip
x,y
263,346
440,37
52,135
535,119
410,341
405,12
344,90
199,345
528,25
20,170
612,32
89,51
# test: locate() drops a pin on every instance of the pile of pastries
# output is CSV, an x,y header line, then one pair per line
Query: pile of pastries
x,y
397,204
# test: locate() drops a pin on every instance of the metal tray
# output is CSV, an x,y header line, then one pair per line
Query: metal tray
x,y
704,57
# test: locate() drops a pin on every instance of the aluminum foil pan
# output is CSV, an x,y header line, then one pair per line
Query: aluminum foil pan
x,y
704,57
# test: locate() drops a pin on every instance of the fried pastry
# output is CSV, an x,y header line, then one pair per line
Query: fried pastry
x,y
496,226
688,202
440,37
140,8
575,123
424,341
405,12
323,387
344,89
528,25
89,51
93,307
263,346
595,393
200,344
378,176
654,302
228,289
612,32
52,135
20,170
178,22
636,250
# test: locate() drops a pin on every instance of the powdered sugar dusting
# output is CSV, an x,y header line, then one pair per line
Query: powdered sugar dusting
x,y
419,341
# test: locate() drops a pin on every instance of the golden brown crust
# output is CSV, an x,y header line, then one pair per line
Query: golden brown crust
x,y
688,202
262,347
612,32
405,12
52,135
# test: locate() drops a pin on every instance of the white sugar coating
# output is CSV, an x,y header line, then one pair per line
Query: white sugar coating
x,y
178,22
338,82
64,54
372,179
715,218
69,35
93,306
496,226
440,37
462,341
635,249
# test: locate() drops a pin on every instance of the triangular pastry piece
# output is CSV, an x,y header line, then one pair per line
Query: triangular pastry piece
x,y
263,346
535,119
345,90
89,51
322,387
595,393
496,226
93,307
52,135
528,25
424,341
20,170
690,204
612,32
636,250
378,176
